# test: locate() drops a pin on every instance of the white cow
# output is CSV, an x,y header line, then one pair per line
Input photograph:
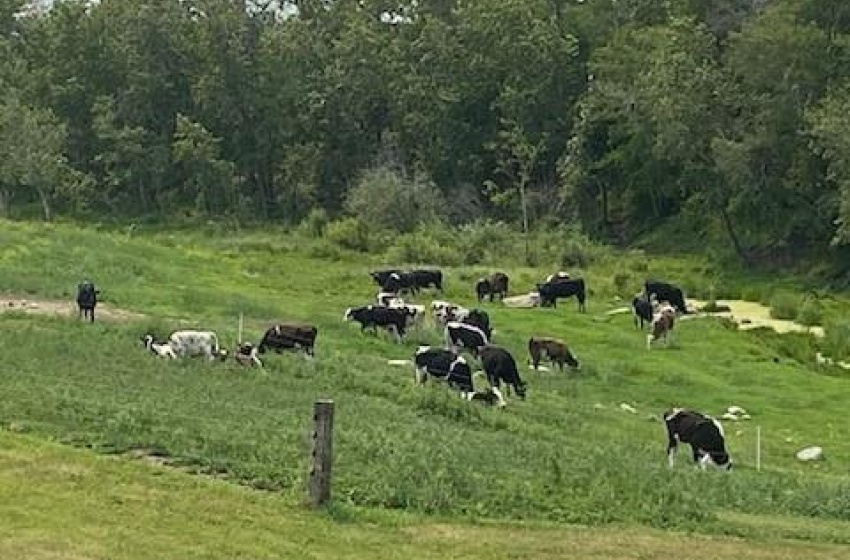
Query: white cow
x,y
195,343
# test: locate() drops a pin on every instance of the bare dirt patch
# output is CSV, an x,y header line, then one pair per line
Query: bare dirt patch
x,y
63,308
751,315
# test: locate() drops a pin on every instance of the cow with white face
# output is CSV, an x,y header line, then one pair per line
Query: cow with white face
x,y
663,322
161,349
704,434
196,343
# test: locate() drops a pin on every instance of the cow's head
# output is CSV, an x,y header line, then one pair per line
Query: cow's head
x,y
571,359
718,460
347,316
222,354
147,340
521,390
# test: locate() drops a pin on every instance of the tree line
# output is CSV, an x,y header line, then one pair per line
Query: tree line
x,y
618,115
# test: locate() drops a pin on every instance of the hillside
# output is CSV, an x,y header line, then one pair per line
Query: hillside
x,y
566,454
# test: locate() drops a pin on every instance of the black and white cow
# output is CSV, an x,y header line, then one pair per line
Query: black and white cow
x,y
703,433
551,291
460,335
246,354
445,312
87,299
161,349
381,276
666,292
663,322
289,336
494,285
444,365
642,310
553,349
499,366
196,343
391,318
478,318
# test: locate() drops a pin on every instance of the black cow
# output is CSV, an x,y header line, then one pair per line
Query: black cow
x,y
500,366
390,318
461,335
424,278
479,318
642,310
381,276
703,433
87,299
666,292
551,291
445,365
552,348
289,336
495,284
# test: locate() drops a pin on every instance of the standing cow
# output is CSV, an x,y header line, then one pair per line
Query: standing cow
x,y
552,348
558,288
196,343
703,433
494,285
87,300
666,292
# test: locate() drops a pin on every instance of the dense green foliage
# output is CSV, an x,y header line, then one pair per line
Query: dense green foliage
x,y
728,115
568,453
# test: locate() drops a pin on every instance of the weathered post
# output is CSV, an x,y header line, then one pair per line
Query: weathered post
x,y
322,453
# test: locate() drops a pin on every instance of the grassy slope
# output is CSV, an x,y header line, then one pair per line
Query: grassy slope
x,y
62,503
556,456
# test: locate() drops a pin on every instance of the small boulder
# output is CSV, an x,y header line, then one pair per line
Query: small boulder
x,y
628,408
814,453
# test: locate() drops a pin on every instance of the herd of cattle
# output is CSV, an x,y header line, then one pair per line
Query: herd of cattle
x,y
464,330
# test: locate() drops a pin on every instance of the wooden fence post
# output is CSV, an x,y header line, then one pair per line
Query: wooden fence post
x,y
322,454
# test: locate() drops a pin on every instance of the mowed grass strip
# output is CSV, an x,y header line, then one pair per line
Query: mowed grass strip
x,y
59,503
568,453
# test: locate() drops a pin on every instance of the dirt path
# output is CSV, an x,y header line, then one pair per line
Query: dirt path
x,y
63,308
752,315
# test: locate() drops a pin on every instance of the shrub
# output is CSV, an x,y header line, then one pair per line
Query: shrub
x,y
784,306
836,340
621,281
383,197
419,247
576,254
314,224
811,312
751,293
349,233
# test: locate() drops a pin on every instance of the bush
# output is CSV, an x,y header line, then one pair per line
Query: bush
x,y
383,197
811,312
836,340
784,306
621,283
349,233
419,247
314,224
576,254
751,293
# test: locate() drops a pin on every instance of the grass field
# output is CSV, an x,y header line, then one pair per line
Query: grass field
x,y
566,454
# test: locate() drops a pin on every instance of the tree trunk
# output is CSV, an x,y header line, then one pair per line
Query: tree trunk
x,y
45,205
730,230
4,203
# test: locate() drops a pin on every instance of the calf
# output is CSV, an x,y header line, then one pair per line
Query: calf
x,y
551,291
196,343
445,365
662,325
246,355
461,335
390,318
161,349
500,366
642,310
87,300
495,284
289,336
552,348
703,433
666,292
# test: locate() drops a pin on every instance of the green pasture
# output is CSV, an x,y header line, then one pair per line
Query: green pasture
x,y
568,453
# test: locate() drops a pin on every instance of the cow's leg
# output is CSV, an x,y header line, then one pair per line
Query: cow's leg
x,y
649,342
420,375
91,315
672,448
499,396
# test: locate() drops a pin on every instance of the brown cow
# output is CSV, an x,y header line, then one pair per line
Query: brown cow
x,y
662,325
553,349
495,284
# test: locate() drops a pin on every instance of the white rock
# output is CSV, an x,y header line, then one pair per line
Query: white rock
x,y
399,362
745,417
735,410
598,406
813,453
628,408
729,416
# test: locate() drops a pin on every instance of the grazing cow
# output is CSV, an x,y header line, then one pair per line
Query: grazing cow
x,y
289,336
500,366
703,433
381,276
445,312
662,325
552,348
666,292
424,278
196,343
390,318
445,365
246,355
460,335
495,284
642,309
477,318
161,349
551,291
87,300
